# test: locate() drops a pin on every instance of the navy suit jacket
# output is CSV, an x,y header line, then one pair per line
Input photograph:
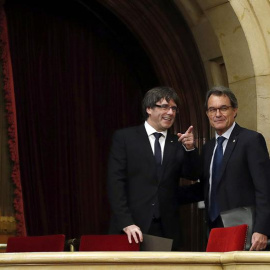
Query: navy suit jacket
x,y
133,184
244,177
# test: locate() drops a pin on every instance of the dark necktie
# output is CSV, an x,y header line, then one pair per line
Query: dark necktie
x,y
157,149
158,157
217,161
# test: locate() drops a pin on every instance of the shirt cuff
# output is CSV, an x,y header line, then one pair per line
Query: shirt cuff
x,y
188,150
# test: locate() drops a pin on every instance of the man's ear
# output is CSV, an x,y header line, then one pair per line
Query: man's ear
x,y
235,112
149,110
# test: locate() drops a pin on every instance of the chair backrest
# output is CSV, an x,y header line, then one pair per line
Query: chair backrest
x,y
113,242
46,243
227,239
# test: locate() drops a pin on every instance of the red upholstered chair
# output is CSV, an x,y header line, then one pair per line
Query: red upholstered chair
x,y
113,242
227,239
46,243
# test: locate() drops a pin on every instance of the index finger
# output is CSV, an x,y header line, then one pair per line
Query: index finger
x,y
134,235
129,237
140,236
190,129
252,248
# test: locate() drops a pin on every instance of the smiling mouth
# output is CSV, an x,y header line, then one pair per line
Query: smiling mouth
x,y
219,121
167,119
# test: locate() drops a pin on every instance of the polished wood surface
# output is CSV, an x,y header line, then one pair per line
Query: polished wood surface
x,y
136,260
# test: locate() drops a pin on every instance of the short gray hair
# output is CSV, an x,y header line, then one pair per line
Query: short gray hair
x,y
221,91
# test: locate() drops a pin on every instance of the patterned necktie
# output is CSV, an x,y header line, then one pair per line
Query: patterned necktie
x,y
157,149
217,161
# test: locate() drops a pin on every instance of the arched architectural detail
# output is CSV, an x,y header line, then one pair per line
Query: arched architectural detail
x,y
159,27
233,40
236,32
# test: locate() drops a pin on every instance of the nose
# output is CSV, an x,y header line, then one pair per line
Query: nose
x,y
170,111
218,113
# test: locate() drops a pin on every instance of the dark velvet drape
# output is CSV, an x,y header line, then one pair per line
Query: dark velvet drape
x,y
72,90
7,86
79,74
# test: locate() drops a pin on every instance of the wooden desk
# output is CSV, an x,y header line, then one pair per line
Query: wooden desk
x,y
136,260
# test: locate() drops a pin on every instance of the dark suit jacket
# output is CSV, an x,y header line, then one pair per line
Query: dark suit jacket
x,y
245,175
133,185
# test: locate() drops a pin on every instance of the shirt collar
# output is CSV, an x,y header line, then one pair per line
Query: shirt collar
x,y
150,130
227,134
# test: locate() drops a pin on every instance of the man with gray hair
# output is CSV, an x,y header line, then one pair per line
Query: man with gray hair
x,y
236,170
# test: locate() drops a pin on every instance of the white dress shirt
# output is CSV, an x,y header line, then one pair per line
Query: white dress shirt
x,y
150,131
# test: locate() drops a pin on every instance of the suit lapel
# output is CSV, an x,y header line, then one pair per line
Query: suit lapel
x,y
208,157
169,149
209,153
143,141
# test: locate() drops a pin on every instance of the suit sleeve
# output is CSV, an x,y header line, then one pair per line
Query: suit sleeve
x,y
190,193
259,166
191,168
117,181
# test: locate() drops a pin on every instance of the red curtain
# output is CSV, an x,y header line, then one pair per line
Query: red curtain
x,y
72,90
8,87
78,76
